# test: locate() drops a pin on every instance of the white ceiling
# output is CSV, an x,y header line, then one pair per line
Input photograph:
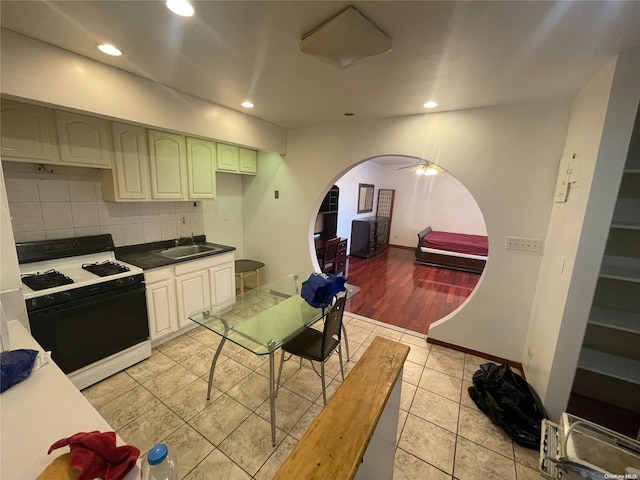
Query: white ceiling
x,y
462,54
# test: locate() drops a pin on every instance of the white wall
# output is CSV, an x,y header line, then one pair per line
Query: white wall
x,y
600,129
507,157
366,172
439,201
272,218
223,222
45,74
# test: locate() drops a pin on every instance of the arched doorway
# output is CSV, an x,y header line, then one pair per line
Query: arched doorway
x,y
395,290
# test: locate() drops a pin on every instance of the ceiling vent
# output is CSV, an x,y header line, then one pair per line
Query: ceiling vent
x,y
345,39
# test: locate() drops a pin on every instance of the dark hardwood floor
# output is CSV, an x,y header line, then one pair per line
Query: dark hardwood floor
x,y
397,292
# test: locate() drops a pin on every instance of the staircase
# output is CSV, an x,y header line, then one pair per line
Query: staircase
x,y
606,388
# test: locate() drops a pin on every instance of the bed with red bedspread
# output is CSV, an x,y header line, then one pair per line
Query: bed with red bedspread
x,y
458,251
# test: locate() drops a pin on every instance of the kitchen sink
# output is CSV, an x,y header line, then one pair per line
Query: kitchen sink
x,y
186,251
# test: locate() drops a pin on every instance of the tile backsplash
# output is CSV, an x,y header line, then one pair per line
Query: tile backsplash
x,y
52,201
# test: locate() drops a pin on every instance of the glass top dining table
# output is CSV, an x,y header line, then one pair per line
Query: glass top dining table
x,y
261,320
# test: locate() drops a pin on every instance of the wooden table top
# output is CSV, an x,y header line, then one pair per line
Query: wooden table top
x,y
335,444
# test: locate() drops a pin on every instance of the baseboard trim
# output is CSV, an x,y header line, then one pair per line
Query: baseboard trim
x,y
401,246
492,358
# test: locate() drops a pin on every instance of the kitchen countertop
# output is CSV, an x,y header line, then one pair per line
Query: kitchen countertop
x,y
142,255
39,411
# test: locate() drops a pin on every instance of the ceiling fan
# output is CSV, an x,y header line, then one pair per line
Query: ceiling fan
x,y
423,167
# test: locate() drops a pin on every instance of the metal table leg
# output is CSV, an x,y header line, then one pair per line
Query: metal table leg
x,y
272,397
213,366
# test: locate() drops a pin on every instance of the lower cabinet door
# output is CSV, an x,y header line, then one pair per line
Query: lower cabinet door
x,y
161,306
222,279
192,294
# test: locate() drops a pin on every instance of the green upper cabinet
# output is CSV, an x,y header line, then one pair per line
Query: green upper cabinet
x,y
228,158
248,161
201,168
28,133
234,159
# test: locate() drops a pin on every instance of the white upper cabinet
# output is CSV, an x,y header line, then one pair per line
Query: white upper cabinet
x,y
234,159
129,179
145,164
248,161
167,153
84,141
201,168
28,133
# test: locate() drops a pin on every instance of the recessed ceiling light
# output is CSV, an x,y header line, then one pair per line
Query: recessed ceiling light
x,y
247,104
180,7
109,49
430,104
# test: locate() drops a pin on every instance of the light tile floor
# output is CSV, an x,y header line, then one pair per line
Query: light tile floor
x,y
441,433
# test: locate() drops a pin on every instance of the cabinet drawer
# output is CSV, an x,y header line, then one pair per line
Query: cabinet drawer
x,y
203,263
157,274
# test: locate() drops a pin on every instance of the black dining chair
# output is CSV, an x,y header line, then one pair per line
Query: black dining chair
x,y
315,345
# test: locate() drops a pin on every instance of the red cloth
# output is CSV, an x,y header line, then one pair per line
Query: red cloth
x,y
457,242
95,455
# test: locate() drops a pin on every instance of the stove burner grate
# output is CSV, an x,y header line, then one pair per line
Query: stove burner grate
x,y
44,280
105,268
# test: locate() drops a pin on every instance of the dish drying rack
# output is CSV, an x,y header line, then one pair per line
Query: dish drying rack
x,y
579,449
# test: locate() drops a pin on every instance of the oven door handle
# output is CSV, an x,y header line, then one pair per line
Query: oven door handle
x,y
111,294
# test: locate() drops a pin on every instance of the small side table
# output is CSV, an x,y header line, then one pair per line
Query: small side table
x,y
248,267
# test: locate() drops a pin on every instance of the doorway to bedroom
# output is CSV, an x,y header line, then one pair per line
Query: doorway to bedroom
x,y
394,289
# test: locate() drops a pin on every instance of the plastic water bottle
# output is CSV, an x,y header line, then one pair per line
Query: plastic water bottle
x,y
159,464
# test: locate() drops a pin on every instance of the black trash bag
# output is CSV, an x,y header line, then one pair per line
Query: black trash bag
x,y
510,403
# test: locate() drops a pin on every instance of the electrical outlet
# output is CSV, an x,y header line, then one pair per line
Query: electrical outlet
x,y
526,244
183,219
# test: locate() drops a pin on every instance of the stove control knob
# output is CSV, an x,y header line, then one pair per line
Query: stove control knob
x,y
131,279
65,296
48,299
119,282
34,302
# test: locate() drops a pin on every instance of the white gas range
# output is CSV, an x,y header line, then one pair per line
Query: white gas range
x,y
85,306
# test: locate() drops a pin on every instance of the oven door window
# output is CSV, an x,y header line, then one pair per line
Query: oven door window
x,y
82,332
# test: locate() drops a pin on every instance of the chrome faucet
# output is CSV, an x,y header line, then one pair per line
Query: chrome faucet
x,y
179,241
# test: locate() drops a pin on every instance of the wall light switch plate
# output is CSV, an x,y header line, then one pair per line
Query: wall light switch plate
x,y
525,244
